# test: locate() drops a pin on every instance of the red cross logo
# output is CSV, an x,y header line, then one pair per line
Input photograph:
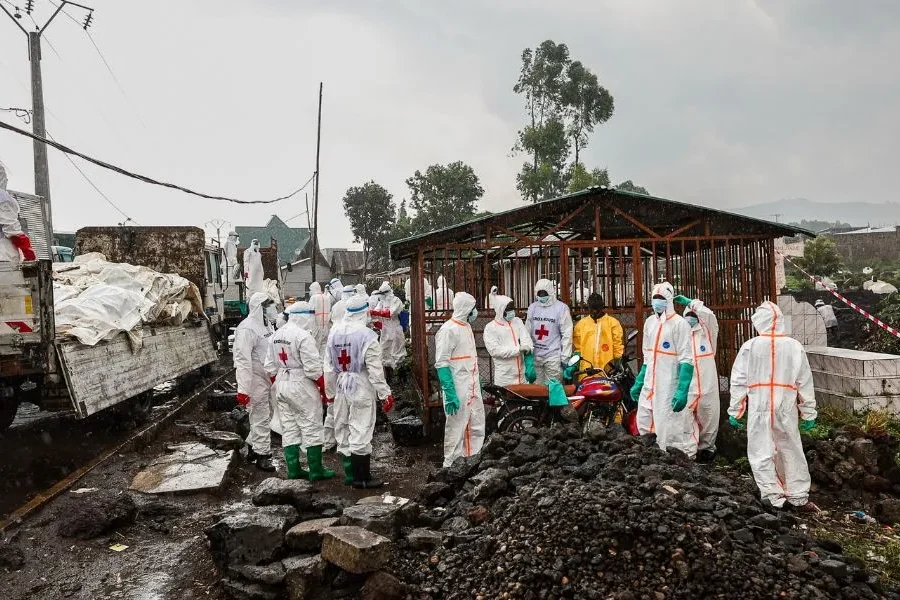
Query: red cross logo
x,y
542,332
283,356
344,359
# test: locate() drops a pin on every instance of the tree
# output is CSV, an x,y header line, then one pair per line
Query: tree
x,y
629,186
581,179
443,196
372,216
820,257
587,104
547,177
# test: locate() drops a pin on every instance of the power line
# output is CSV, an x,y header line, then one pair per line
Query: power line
x,y
144,178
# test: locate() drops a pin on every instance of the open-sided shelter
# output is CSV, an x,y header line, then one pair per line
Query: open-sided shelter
x,y
613,242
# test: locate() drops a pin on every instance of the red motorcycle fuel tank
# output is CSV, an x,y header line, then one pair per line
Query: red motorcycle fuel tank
x,y
600,390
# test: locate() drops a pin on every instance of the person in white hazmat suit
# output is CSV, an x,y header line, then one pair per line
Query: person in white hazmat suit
x,y
443,295
295,361
335,289
429,294
703,395
14,238
251,346
510,346
337,315
549,323
322,305
232,266
772,395
387,313
456,361
489,301
662,385
354,355
253,269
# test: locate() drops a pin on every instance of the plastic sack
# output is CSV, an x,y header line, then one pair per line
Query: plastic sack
x,y
557,394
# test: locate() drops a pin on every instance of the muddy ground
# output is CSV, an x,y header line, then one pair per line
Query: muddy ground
x,y
167,554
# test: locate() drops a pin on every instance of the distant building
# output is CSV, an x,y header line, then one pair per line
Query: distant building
x,y
296,278
291,240
349,265
868,244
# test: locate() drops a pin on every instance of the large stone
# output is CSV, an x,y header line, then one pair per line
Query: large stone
x,y
97,513
241,590
221,440
330,506
271,574
274,491
424,539
864,453
303,575
383,586
251,536
490,483
888,511
307,536
187,467
355,549
835,568
408,431
11,556
383,519
432,492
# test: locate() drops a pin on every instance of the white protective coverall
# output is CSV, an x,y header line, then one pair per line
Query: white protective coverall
x,y
489,301
772,384
322,305
251,346
506,341
550,327
703,395
337,315
354,357
455,348
9,224
429,293
253,269
232,266
294,358
393,342
827,312
666,344
335,289
443,295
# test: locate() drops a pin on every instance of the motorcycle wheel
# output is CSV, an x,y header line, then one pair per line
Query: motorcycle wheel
x,y
518,420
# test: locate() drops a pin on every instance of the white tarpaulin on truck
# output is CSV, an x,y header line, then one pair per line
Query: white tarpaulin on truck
x,y
96,299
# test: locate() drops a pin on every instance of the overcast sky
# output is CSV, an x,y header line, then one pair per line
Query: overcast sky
x,y
719,103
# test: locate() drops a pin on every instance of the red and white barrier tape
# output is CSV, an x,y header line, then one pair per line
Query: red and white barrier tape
x,y
861,311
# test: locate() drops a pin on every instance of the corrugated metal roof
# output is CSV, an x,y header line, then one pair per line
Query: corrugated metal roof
x,y
290,239
347,261
659,213
891,229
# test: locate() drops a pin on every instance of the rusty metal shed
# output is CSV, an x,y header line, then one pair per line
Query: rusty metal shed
x,y
614,242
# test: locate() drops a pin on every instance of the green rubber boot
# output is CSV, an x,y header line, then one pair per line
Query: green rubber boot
x,y
348,469
292,461
316,471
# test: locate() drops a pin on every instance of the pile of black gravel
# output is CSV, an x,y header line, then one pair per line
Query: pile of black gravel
x,y
554,515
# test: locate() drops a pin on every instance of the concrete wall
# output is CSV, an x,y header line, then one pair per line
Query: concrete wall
x,y
296,283
861,247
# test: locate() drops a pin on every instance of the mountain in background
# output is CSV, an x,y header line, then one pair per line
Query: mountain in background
x,y
794,210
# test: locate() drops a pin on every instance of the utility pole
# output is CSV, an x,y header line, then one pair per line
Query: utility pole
x,y
41,164
316,190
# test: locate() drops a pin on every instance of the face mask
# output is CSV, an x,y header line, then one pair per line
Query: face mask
x,y
270,312
659,306
510,315
473,315
543,299
692,321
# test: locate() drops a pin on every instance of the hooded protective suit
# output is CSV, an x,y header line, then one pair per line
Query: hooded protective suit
x,y
429,294
489,301
666,346
14,237
455,350
232,266
253,269
335,289
322,305
337,315
550,327
703,396
251,346
443,295
772,384
387,311
599,342
506,342
355,360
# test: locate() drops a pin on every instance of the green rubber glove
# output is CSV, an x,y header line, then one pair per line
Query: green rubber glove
x,y
638,384
682,300
429,302
685,375
451,400
737,424
807,426
556,394
530,373
569,372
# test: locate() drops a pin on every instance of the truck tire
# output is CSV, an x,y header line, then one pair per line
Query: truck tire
x,y
8,408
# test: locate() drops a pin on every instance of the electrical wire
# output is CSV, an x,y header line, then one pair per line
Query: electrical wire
x,y
22,113
144,178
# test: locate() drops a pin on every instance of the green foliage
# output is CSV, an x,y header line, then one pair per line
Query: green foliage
x,y
816,226
587,104
443,196
581,179
372,218
798,281
888,310
629,186
820,257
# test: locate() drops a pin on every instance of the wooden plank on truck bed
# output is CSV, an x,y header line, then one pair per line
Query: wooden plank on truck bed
x,y
109,373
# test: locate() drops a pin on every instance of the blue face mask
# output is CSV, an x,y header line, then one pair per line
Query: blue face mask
x,y
659,306
510,315
692,321
473,315
543,299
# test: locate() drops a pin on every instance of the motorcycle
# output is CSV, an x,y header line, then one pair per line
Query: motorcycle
x,y
601,396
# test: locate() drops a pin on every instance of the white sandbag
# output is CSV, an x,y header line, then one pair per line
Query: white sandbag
x,y
883,287
100,313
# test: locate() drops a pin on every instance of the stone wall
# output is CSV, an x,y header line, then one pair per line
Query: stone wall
x,y
861,247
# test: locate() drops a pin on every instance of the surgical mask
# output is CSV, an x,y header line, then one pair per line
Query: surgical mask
x,y
473,315
543,299
510,315
692,321
271,312
659,305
